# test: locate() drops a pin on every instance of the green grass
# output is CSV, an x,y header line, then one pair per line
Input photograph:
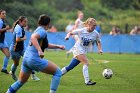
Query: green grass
x,y
126,77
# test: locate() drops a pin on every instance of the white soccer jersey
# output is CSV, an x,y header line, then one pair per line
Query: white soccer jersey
x,y
85,39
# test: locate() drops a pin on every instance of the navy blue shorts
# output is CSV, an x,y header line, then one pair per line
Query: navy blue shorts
x,y
16,55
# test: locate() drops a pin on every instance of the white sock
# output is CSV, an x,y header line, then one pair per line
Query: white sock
x,y
85,73
52,91
63,70
33,75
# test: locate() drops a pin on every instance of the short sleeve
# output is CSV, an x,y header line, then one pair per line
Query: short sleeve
x,y
18,32
41,33
1,24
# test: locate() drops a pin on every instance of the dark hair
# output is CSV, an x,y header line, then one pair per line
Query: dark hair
x,y
1,10
44,20
20,19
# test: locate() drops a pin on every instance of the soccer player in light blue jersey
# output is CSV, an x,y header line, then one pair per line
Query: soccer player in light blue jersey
x,y
86,36
3,43
33,58
17,48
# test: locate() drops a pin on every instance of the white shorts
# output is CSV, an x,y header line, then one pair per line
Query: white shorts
x,y
78,51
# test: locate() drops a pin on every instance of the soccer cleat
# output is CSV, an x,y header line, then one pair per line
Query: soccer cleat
x,y
13,75
5,71
34,77
90,83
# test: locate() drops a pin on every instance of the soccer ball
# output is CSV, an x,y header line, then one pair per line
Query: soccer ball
x,y
107,73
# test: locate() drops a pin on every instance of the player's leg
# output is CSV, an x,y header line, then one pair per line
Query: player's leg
x,y
6,59
68,53
33,76
53,69
23,77
83,59
74,62
14,66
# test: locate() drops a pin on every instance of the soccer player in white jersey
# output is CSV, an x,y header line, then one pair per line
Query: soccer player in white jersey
x,y
78,25
86,36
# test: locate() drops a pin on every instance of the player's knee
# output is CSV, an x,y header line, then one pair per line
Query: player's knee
x,y
8,56
86,63
58,73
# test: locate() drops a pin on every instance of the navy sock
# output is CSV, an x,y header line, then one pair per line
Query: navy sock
x,y
74,62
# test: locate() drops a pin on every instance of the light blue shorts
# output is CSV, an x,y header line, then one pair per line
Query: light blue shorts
x,y
3,45
37,64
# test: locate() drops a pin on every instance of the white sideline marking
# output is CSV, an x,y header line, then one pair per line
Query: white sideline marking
x,y
103,61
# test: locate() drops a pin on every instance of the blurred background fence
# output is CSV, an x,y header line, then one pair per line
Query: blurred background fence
x,y
114,44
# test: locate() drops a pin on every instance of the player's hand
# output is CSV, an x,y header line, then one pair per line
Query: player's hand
x,y
24,38
7,27
61,47
66,38
100,52
41,54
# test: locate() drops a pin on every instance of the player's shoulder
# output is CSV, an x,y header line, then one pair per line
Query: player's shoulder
x,y
1,22
95,32
0,19
41,31
18,28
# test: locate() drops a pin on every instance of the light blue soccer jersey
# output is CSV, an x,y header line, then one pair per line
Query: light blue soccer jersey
x,y
18,33
1,23
2,34
3,43
31,51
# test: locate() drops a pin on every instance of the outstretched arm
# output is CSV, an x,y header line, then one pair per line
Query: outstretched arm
x,y
73,32
53,46
68,35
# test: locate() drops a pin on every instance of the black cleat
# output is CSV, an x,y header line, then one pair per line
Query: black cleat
x,y
5,71
90,83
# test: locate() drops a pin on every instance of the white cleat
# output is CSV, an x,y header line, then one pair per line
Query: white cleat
x,y
34,77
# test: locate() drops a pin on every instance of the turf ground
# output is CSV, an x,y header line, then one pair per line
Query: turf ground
x,y
126,77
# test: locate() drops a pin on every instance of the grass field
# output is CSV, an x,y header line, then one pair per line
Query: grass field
x,y
126,77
